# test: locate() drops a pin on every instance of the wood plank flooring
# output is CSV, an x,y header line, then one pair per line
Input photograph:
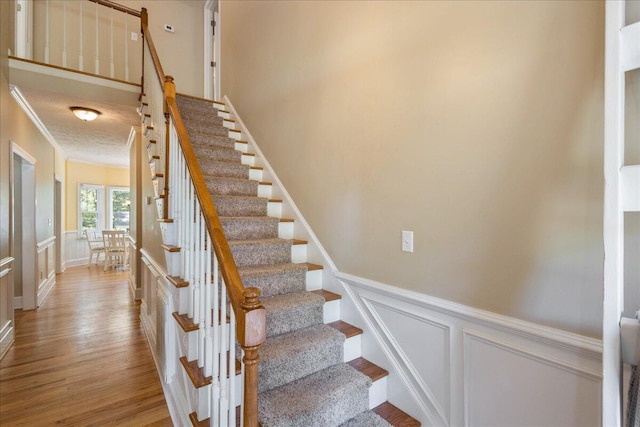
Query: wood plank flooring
x,y
82,359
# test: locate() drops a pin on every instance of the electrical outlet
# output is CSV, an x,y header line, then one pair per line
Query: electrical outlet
x,y
134,36
407,241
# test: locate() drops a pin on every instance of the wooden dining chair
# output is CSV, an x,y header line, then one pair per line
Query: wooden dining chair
x,y
96,244
115,249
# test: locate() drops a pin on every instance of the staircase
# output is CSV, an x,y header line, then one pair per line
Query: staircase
x,y
310,371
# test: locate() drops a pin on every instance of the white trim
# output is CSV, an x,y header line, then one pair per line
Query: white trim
x,y
630,187
45,242
277,183
132,137
613,221
109,165
401,363
17,303
17,64
16,149
31,113
5,261
208,16
591,347
630,46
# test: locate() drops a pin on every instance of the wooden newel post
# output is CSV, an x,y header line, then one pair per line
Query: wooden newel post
x,y
144,23
254,336
169,92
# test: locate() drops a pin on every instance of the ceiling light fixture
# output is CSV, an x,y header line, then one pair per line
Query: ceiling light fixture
x,y
86,114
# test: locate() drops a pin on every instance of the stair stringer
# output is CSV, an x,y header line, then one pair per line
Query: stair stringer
x,y
372,348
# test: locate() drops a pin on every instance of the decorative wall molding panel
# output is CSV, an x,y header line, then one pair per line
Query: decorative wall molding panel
x,y
7,330
76,250
463,366
46,268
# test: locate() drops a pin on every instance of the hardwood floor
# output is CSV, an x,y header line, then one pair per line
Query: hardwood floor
x,y
82,359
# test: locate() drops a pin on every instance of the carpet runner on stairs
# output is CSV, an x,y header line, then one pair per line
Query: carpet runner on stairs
x,y
303,380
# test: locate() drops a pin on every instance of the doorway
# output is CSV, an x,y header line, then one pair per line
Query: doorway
x,y
211,50
23,191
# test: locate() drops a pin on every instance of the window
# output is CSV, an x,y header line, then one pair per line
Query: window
x,y
119,203
92,213
91,207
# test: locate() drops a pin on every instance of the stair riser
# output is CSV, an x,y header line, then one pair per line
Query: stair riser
x,y
201,132
217,155
249,228
331,311
273,373
226,206
283,322
274,209
225,169
276,284
204,141
226,187
274,254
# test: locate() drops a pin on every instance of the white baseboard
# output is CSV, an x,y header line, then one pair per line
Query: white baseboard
x,y
17,303
76,262
46,288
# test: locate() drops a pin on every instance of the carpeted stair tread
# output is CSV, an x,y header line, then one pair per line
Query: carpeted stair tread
x,y
261,251
291,311
366,419
274,279
240,205
323,399
208,140
291,356
204,153
207,131
214,168
249,227
191,105
232,186
205,117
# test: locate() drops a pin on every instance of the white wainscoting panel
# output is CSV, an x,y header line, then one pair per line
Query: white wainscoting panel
x,y
453,365
45,268
76,249
528,388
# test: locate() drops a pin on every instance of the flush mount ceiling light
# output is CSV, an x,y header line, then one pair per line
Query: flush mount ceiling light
x,y
86,114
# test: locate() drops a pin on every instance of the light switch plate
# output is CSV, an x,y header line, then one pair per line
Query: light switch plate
x,y
407,241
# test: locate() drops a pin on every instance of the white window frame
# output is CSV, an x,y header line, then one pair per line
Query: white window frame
x,y
100,216
109,216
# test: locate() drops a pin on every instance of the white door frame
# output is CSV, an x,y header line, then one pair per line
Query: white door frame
x,y
24,29
211,50
29,253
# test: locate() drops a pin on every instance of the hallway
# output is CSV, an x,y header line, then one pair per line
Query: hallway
x,y
82,358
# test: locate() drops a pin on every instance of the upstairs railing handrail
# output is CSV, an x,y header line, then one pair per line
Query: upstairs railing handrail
x,y
249,312
118,7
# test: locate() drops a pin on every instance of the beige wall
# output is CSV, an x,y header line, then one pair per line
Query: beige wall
x,y
84,173
181,52
478,125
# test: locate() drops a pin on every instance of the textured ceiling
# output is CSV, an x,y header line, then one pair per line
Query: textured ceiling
x,y
102,141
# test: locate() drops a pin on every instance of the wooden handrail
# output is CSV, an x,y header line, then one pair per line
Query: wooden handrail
x,y
117,7
144,23
250,315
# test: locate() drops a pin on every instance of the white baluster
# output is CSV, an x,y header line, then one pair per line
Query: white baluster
x,y
232,368
215,392
64,33
224,360
46,34
98,41
80,57
112,69
126,47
